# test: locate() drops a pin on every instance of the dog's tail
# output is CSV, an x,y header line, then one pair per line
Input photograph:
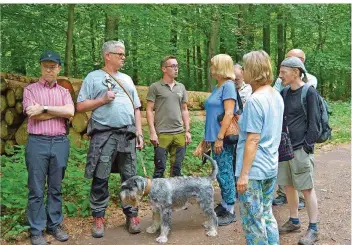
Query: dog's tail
x,y
213,174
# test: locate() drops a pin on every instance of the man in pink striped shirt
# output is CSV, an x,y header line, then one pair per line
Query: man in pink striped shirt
x,y
48,107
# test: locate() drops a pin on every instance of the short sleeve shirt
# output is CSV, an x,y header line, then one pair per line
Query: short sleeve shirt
x,y
214,106
263,114
168,106
119,112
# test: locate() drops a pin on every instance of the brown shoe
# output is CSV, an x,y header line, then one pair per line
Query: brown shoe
x,y
133,225
309,238
289,227
98,227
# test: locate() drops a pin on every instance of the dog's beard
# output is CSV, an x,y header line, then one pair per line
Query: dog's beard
x,y
129,199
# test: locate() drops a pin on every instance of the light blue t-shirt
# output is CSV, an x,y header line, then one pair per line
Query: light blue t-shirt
x,y
117,113
263,114
214,106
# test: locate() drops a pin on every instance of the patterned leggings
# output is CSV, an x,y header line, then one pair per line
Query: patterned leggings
x,y
225,175
258,222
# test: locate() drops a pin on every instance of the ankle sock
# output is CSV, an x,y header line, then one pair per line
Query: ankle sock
x,y
294,221
230,208
313,226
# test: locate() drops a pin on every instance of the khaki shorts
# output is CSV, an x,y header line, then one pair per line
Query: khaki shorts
x,y
297,172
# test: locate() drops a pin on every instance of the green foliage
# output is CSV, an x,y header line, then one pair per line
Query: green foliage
x,y
340,122
148,30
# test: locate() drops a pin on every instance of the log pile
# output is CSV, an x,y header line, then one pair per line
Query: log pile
x,y
14,122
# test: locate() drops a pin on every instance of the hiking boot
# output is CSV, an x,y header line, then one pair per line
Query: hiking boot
x,y
219,210
289,227
279,200
309,238
98,227
226,218
133,225
38,240
59,234
301,204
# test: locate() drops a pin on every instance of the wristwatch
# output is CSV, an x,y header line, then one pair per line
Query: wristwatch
x,y
45,109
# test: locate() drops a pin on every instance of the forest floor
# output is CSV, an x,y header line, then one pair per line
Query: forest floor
x,y
333,187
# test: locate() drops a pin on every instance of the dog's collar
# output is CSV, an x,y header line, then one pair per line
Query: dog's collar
x,y
147,188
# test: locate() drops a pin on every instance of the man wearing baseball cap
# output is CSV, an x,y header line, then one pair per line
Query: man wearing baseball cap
x,y
48,106
297,174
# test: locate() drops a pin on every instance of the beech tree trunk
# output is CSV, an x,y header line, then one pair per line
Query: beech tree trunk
x,y
69,39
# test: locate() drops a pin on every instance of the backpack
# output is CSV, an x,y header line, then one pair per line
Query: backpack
x,y
324,128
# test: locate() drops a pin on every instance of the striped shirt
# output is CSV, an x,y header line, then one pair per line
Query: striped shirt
x,y
41,93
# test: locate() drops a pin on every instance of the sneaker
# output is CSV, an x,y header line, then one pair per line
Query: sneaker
x,y
309,238
226,218
289,227
38,240
219,210
279,200
133,225
301,204
59,234
98,227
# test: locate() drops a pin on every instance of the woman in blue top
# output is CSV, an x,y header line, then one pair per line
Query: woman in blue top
x,y
257,151
222,100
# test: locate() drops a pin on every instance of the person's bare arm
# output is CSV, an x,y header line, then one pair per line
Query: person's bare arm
x,y
250,150
186,122
150,118
36,110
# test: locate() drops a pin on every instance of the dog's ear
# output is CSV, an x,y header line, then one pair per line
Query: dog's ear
x,y
140,184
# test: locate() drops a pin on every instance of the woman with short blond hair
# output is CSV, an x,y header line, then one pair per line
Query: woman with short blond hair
x,y
223,100
257,151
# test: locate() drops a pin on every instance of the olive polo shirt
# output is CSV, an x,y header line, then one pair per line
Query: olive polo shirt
x,y
167,105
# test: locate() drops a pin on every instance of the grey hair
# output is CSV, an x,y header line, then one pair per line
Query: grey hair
x,y
110,46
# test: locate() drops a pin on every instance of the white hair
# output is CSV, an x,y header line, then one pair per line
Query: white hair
x,y
110,46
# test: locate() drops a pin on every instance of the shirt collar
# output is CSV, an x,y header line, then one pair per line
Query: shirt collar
x,y
46,84
163,83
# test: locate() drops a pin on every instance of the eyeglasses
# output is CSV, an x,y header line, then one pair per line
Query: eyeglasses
x,y
119,54
49,68
173,66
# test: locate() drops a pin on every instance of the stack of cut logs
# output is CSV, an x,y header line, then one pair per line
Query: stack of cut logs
x,y
14,122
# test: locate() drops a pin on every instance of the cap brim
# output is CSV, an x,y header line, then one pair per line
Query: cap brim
x,y
49,59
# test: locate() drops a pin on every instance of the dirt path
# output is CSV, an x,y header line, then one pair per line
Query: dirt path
x,y
333,186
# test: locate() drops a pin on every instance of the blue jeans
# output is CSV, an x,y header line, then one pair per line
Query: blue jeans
x,y
46,161
226,177
258,222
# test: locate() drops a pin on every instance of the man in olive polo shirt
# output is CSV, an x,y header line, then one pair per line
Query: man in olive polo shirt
x,y
169,100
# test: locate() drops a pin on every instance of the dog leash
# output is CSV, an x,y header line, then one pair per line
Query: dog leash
x,y
143,165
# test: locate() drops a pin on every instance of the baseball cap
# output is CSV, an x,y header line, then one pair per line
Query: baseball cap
x,y
50,56
294,62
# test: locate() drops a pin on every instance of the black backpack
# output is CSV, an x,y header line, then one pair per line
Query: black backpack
x,y
324,129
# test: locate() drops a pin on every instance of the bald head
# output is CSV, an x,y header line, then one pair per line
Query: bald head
x,y
297,53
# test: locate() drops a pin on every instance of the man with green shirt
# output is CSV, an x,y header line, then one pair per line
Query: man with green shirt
x,y
169,128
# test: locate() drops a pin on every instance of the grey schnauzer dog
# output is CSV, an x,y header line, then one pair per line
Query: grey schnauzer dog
x,y
167,194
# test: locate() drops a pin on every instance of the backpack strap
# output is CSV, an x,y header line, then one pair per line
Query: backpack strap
x,y
304,97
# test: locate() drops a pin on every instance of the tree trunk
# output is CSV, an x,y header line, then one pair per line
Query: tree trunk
x,y
3,104
213,43
134,51
3,85
4,130
12,117
19,93
69,39
10,98
199,67
74,58
194,58
188,66
80,122
19,107
92,41
2,147
173,33
280,41
240,34
21,135
266,37
111,27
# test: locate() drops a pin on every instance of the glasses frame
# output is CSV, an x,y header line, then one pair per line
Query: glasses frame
x,y
119,54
